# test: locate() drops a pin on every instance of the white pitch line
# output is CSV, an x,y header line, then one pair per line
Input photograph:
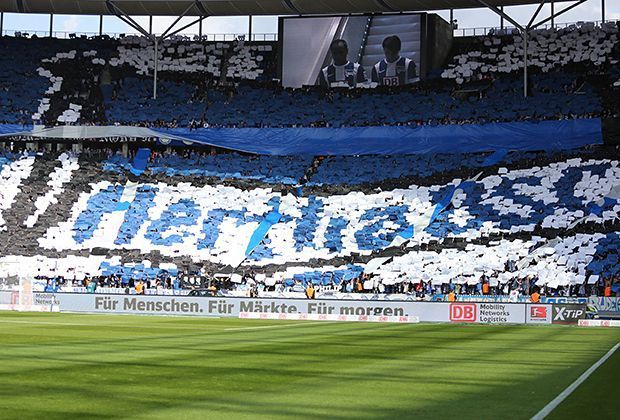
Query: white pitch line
x,y
564,394
263,327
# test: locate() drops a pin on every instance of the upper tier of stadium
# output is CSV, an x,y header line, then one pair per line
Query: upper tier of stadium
x,y
229,84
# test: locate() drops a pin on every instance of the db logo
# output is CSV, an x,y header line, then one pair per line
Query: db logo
x,y
463,312
538,312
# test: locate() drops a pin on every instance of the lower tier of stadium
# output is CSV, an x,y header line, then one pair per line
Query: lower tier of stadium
x,y
435,222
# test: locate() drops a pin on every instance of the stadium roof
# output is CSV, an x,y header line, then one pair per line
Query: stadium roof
x,y
241,7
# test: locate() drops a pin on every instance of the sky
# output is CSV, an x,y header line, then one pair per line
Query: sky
x,y
468,18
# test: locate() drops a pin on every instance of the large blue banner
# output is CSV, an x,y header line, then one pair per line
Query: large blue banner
x,y
467,138
544,135
6,129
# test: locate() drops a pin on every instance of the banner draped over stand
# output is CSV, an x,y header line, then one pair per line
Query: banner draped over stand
x,y
467,138
14,129
545,135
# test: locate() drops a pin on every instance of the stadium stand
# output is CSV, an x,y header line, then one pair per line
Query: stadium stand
x,y
107,81
19,86
549,219
268,169
420,224
548,49
14,170
353,170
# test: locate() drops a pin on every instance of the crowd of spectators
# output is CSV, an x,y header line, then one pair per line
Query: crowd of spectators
x,y
363,284
117,95
431,102
130,285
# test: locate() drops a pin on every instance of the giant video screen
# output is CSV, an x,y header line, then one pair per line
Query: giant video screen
x,y
351,51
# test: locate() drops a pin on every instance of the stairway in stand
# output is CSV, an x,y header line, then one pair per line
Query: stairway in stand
x,y
407,27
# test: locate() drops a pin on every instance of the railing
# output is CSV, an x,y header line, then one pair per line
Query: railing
x,y
69,35
364,39
485,30
461,32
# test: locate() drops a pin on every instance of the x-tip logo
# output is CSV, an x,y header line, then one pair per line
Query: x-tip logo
x,y
568,314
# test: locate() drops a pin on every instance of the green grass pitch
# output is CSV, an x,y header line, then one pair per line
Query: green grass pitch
x,y
92,366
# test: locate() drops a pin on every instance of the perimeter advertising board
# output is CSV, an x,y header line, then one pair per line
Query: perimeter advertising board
x,y
599,323
494,313
231,307
5,297
610,305
539,314
34,302
568,314
487,313
45,299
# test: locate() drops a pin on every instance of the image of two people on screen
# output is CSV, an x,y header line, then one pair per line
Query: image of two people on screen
x,y
393,70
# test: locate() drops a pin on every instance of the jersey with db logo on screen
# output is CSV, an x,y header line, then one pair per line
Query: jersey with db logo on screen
x,y
400,72
350,73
